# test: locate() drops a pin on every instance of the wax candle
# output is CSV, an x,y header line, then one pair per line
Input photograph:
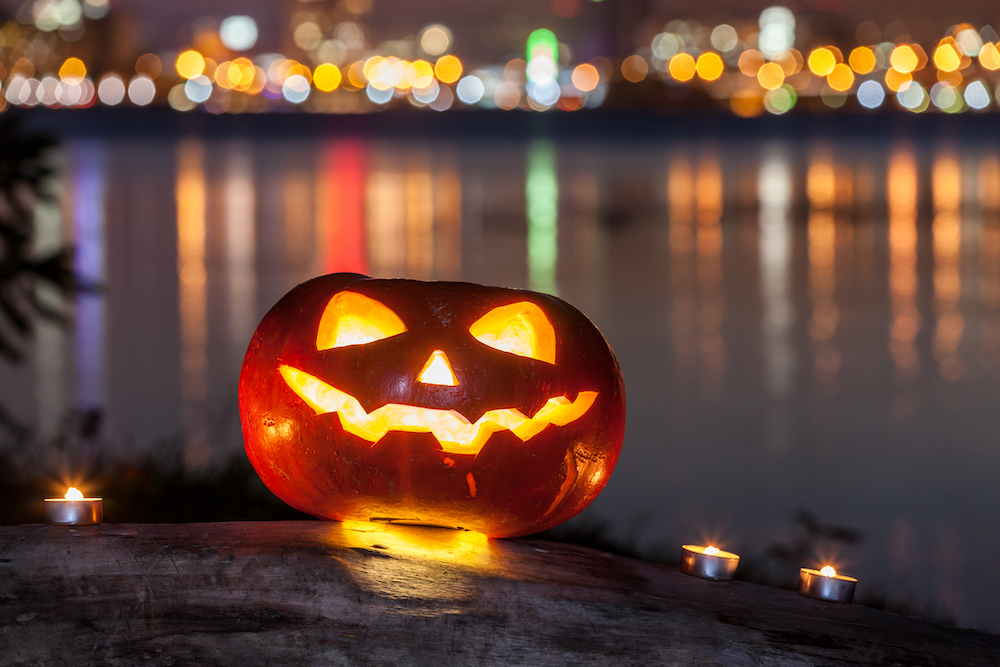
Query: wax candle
x,y
826,584
74,510
708,562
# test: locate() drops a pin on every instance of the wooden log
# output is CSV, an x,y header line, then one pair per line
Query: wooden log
x,y
308,592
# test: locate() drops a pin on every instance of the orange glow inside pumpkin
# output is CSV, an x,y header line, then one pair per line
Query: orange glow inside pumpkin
x,y
453,430
354,319
518,328
438,370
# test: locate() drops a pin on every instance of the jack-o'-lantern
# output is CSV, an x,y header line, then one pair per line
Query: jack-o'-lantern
x,y
451,404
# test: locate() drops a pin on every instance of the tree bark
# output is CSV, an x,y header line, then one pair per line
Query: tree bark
x,y
309,592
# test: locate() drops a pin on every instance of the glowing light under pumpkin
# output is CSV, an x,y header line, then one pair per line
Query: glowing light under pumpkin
x,y
453,430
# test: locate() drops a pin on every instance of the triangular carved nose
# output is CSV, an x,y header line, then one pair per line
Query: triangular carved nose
x,y
438,370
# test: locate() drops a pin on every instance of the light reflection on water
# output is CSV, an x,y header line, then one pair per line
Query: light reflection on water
x,y
800,326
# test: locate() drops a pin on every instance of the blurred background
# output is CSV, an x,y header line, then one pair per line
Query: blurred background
x,y
785,220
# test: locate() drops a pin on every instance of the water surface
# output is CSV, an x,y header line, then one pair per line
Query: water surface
x,y
801,324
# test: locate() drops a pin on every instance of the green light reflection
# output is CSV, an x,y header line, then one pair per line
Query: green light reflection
x,y
542,194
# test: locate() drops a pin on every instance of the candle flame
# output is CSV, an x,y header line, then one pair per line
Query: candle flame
x,y
828,571
74,494
711,551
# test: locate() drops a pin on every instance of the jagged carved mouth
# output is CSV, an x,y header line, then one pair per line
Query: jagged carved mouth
x,y
453,430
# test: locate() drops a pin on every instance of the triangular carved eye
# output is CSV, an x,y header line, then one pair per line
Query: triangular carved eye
x,y
519,328
355,319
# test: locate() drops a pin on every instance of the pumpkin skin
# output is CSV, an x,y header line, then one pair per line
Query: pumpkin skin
x,y
503,485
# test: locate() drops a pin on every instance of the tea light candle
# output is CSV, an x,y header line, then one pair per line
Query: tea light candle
x,y
826,584
708,562
74,510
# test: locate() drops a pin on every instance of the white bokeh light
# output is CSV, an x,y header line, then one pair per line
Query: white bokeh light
x,y
141,90
870,94
238,33
111,90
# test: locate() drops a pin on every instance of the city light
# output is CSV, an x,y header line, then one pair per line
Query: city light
x,y
773,63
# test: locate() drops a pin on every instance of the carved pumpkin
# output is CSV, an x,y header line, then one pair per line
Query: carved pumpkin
x,y
492,409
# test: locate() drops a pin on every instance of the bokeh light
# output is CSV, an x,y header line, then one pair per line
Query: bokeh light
x,y
586,77
198,89
821,61
870,94
436,40
904,59
111,90
724,38
709,66
841,78
634,69
771,76
72,71
682,67
190,64
327,77
977,96
862,60
141,90
470,89
989,57
238,33
946,58
448,69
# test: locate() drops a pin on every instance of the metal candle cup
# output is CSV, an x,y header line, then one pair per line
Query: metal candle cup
x,y
74,510
708,562
832,587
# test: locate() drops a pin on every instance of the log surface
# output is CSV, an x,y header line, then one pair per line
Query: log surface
x,y
313,593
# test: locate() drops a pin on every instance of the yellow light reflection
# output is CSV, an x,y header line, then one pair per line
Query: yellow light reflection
x,y
902,195
989,263
822,288
240,237
712,346
419,220
448,222
680,200
947,238
386,220
453,431
191,200
424,565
